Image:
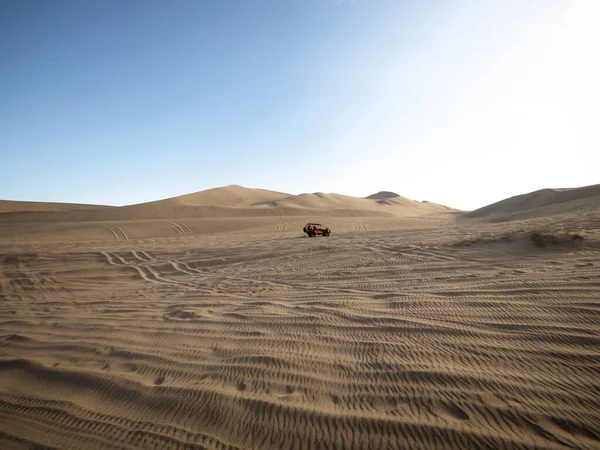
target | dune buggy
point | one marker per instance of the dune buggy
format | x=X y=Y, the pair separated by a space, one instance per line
x=316 y=229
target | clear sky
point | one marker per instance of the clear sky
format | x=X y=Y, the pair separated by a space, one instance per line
x=458 y=102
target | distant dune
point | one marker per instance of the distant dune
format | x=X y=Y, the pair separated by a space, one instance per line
x=229 y=201
x=239 y=202
x=545 y=202
x=16 y=206
x=382 y=195
x=228 y=196
x=251 y=202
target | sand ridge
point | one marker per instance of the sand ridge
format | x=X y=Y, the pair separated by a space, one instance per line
x=225 y=202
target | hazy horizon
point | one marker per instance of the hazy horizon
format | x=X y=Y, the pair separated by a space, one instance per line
x=458 y=103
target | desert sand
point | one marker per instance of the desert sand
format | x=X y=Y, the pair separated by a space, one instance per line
x=210 y=321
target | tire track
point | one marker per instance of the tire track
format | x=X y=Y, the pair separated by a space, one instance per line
x=141 y=256
x=118 y=233
x=149 y=271
x=181 y=228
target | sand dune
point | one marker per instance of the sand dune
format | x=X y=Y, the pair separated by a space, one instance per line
x=227 y=202
x=542 y=203
x=18 y=206
x=322 y=201
x=417 y=329
x=382 y=195
x=241 y=201
x=228 y=196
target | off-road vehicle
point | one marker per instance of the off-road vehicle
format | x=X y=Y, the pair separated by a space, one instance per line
x=315 y=229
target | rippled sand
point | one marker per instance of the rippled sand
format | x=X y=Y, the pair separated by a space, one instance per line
x=427 y=334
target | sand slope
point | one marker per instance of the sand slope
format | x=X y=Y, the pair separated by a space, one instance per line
x=541 y=203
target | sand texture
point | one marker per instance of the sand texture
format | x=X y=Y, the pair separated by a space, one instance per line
x=411 y=326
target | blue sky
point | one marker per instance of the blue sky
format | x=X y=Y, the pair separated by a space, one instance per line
x=459 y=102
